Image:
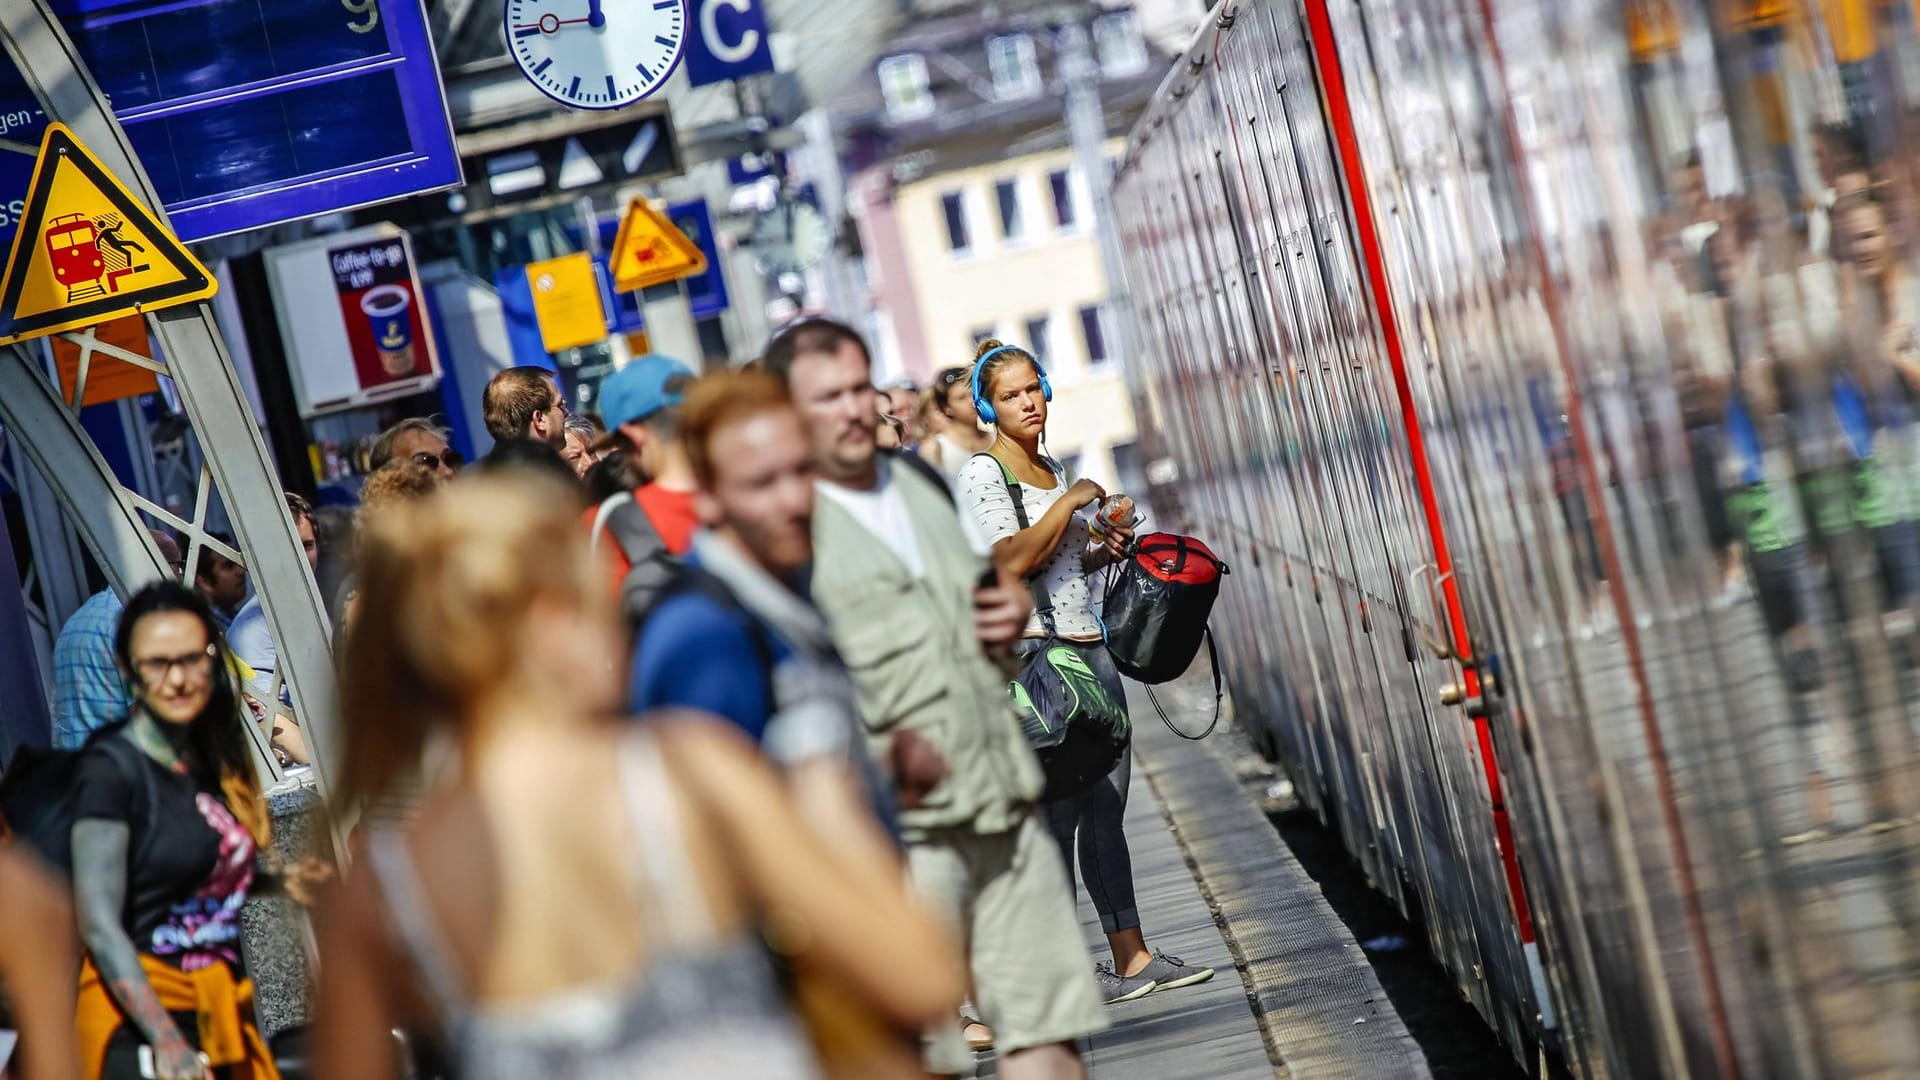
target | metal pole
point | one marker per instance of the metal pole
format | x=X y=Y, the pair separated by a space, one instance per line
x=211 y=393
x=1086 y=121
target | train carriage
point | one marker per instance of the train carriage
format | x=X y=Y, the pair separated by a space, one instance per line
x=1552 y=367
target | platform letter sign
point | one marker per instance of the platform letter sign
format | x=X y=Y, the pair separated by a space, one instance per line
x=87 y=251
x=729 y=41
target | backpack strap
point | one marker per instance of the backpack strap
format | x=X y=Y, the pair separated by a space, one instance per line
x=1042 y=600
x=649 y=563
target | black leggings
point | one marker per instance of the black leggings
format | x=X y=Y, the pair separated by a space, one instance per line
x=1098 y=815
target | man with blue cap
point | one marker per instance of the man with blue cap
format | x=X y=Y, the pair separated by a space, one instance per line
x=644 y=531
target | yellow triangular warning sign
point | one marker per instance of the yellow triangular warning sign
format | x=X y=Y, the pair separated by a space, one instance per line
x=650 y=250
x=87 y=251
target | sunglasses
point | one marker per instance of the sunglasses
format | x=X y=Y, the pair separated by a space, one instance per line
x=450 y=458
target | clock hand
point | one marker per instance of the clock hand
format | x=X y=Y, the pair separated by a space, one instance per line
x=595 y=17
x=548 y=24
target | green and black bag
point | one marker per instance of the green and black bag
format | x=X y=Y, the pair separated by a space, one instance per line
x=1067 y=715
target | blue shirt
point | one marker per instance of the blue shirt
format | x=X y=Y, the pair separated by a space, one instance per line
x=250 y=639
x=697 y=652
x=88 y=692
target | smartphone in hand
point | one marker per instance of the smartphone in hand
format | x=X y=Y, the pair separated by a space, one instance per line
x=147 y=1068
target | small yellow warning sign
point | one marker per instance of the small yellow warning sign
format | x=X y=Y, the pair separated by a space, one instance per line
x=87 y=251
x=650 y=250
x=566 y=302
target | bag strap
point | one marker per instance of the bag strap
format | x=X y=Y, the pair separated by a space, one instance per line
x=1219 y=692
x=1042 y=599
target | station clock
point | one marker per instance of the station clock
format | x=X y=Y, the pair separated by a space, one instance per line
x=596 y=54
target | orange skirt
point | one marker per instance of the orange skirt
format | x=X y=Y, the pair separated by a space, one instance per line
x=229 y=1035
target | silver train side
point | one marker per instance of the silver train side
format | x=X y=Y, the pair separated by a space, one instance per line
x=1550 y=374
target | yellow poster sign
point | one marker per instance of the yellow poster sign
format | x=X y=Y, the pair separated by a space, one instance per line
x=87 y=251
x=650 y=250
x=566 y=302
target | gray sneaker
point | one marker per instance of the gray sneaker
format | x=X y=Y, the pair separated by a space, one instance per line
x=1117 y=988
x=1172 y=973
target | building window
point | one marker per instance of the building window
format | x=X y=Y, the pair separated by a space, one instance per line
x=1094 y=332
x=1038 y=331
x=1061 y=181
x=1126 y=470
x=1117 y=39
x=1016 y=72
x=903 y=83
x=979 y=334
x=1007 y=194
x=954 y=203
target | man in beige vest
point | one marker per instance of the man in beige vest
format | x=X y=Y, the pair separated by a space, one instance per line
x=896 y=573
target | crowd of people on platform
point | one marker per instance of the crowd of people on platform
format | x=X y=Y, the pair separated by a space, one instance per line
x=679 y=738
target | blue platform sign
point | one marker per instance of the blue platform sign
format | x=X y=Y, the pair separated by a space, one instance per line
x=707 y=293
x=248 y=113
x=729 y=41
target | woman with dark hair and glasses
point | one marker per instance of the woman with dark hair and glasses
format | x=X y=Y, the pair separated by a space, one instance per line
x=168 y=820
x=954 y=424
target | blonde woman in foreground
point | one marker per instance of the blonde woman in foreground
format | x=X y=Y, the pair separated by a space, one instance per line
x=587 y=896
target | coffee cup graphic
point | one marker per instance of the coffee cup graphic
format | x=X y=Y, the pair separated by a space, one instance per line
x=389 y=312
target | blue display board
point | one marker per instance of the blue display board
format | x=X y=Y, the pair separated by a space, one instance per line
x=249 y=113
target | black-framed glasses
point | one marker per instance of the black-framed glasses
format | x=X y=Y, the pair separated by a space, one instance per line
x=449 y=457
x=155 y=669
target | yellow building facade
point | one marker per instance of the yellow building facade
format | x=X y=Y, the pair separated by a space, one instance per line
x=1007 y=250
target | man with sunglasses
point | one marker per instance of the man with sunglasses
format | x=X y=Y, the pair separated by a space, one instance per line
x=88 y=692
x=420 y=441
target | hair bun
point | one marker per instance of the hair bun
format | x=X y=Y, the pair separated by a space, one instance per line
x=986 y=347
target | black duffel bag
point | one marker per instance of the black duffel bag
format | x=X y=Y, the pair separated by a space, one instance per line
x=1157 y=605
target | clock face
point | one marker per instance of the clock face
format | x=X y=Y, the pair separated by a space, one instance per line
x=792 y=237
x=596 y=54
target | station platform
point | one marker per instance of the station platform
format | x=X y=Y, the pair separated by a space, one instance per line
x=1292 y=995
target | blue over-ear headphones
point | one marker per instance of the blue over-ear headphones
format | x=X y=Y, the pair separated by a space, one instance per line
x=980 y=403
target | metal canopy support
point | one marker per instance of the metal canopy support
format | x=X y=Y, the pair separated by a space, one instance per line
x=236 y=456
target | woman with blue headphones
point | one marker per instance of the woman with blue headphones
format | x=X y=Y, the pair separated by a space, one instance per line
x=1048 y=540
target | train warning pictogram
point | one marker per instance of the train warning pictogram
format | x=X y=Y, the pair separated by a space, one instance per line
x=650 y=250
x=87 y=251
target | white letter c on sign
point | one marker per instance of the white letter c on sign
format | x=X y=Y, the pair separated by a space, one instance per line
x=722 y=50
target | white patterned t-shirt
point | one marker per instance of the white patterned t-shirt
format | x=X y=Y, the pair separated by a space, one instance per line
x=983 y=494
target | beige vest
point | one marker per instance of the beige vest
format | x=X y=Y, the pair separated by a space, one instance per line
x=917 y=663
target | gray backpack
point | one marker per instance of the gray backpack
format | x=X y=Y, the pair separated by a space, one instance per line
x=650 y=566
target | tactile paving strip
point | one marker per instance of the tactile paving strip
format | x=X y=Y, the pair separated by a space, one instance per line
x=1321 y=1009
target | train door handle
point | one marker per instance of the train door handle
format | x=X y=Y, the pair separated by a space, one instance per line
x=1441 y=646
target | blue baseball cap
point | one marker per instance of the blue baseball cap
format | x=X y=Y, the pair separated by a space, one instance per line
x=642 y=388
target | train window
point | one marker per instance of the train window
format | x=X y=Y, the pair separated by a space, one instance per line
x=1016 y=70
x=1006 y=193
x=954 y=205
x=1117 y=39
x=1060 y=181
x=903 y=83
x=1094 y=333
x=1039 y=330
